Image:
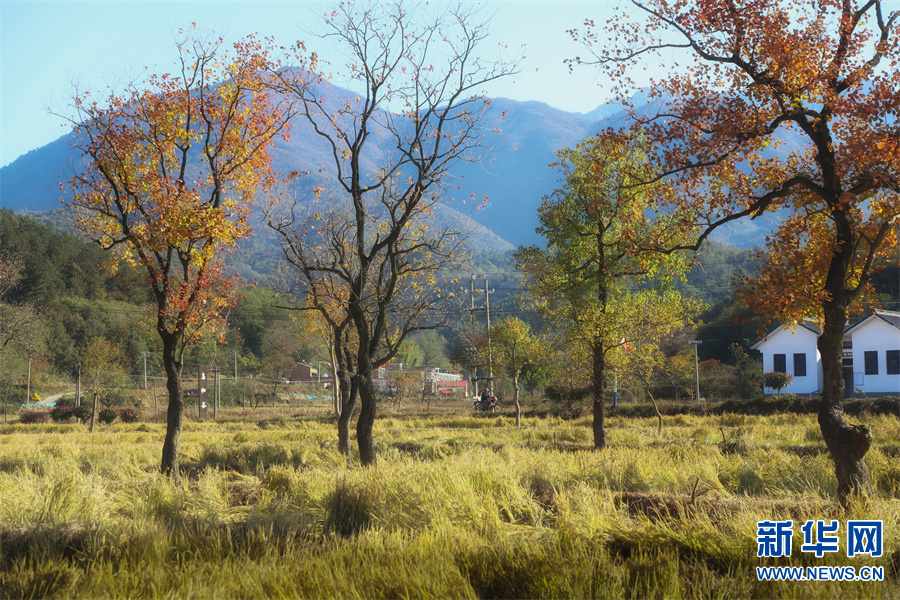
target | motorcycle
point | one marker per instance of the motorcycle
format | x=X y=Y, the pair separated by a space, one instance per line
x=493 y=405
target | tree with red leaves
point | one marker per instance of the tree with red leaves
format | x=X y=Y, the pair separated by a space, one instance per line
x=819 y=79
x=167 y=174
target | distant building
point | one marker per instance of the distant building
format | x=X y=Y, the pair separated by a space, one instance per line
x=871 y=359
x=793 y=350
x=874 y=354
x=440 y=383
x=304 y=373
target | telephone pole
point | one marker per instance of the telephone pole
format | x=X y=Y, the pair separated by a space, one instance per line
x=144 y=356
x=78 y=387
x=28 y=390
x=696 y=343
x=487 y=308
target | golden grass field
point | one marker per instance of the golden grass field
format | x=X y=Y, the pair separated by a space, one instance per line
x=459 y=506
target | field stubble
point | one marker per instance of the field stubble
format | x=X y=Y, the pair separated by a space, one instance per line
x=459 y=506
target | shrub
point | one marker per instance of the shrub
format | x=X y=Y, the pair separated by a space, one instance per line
x=65 y=403
x=82 y=412
x=565 y=395
x=34 y=417
x=107 y=415
x=61 y=414
x=777 y=380
x=130 y=415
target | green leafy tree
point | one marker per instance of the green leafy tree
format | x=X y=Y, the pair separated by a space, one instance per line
x=515 y=347
x=410 y=353
x=432 y=347
x=653 y=318
x=605 y=248
x=105 y=373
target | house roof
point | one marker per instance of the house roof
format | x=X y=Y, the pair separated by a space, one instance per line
x=890 y=317
x=807 y=324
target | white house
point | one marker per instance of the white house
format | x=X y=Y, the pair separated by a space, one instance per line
x=871 y=356
x=874 y=346
x=793 y=350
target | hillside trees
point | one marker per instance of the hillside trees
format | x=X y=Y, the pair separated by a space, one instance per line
x=603 y=244
x=420 y=109
x=820 y=83
x=167 y=172
x=20 y=331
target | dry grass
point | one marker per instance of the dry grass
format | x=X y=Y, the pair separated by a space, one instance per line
x=458 y=506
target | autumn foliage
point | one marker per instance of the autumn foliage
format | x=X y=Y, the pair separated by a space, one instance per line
x=778 y=105
x=169 y=168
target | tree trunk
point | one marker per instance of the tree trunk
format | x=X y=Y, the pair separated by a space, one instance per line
x=335 y=391
x=598 y=389
x=366 y=416
x=366 y=421
x=175 y=410
x=598 y=356
x=348 y=401
x=653 y=400
x=516 y=400
x=348 y=388
x=93 y=412
x=847 y=443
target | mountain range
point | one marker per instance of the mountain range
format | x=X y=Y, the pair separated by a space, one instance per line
x=514 y=179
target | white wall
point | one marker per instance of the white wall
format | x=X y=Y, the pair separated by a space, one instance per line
x=801 y=340
x=875 y=335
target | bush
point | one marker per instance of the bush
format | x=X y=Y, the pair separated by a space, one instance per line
x=82 y=412
x=565 y=395
x=65 y=403
x=777 y=380
x=130 y=415
x=107 y=415
x=61 y=414
x=34 y=417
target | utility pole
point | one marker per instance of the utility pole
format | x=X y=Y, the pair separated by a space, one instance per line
x=487 y=307
x=216 y=393
x=28 y=389
x=473 y=368
x=696 y=343
x=472 y=309
x=144 y=356
x=78 y=387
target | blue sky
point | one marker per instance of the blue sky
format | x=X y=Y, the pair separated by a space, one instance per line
x=45 y=47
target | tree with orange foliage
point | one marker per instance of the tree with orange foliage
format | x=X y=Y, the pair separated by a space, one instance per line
x=822 y=81
x=166 y=177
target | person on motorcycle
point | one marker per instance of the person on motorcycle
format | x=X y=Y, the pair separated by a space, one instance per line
x=485 y=398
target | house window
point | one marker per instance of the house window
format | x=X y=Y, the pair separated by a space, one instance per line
x=800 y=365
x=780 y=363
x=893 y=362
x=870 y=358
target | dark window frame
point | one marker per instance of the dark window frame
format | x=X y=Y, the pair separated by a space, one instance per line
x=893 y=362
x=800 y=364
x=870 y=360
x=779 y=363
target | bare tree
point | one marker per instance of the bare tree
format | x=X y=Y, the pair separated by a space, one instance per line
x=420 y=109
